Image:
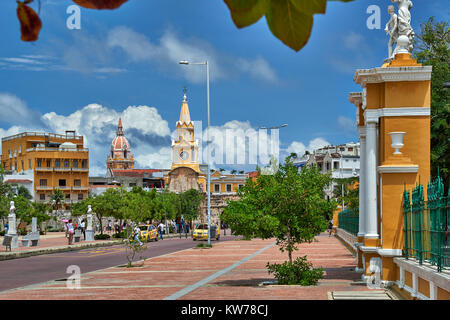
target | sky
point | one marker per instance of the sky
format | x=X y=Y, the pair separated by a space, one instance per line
x=124 y=63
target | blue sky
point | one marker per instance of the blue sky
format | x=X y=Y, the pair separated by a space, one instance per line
x=123 y=63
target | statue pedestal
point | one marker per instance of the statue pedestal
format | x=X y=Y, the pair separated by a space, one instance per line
x=89 y=235
x=14 y=241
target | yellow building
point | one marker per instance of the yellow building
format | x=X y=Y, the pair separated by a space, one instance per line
x=186 y=172
x=53 y=161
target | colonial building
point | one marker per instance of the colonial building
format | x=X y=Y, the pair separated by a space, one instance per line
x=187 y=173
x=43 y=162
x=120 y=156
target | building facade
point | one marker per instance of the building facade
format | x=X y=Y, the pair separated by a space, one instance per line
x=120 y=156
x=48 y=161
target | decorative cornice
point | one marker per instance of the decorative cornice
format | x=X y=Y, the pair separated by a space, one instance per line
x=372 y=115
x=355 y=98
x=394 y=74
x=389 y=252
x=398 y=169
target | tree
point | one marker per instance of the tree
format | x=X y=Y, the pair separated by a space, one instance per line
x=234 y=171
x=433 y=48
x=287 y=205
x=190 y=204
x=22 y=191
x=57 y=198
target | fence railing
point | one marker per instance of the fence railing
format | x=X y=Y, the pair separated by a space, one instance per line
x=426 y=225
x=349 y=221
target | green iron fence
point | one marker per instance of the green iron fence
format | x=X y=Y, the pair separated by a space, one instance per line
x=349 y=221
x=426 y=224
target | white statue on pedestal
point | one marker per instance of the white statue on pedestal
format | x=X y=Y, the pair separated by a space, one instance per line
x=89 y=218
x=12 y=219
x=400 y=31
x=392 y=30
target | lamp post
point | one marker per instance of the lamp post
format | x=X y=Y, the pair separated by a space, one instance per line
x=208 y=186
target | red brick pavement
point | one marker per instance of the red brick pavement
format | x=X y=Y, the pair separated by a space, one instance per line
x=163 y=276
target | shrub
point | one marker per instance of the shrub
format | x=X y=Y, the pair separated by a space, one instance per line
x=102 y=237
x=204 y=245
x=2 y=233
x=300 y=272
x=118 y=235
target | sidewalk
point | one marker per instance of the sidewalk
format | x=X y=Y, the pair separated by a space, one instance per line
x=231 y=270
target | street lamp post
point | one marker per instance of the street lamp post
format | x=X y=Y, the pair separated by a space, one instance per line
x=208 y=186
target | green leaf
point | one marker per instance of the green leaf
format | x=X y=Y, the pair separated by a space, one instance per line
x=288 y=24
x=310 y=6
x=246 y=12
x=290 y=21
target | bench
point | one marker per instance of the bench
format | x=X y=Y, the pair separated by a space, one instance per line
x=7 y=242
x=31 y=239
x=77 y=236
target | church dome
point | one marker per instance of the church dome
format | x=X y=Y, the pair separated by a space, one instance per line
x=120 y=147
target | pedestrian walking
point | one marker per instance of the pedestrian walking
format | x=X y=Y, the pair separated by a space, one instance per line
x=330 y=228
x=82 y=228
x=70 y=231
x=161 y=230
x=137 y=231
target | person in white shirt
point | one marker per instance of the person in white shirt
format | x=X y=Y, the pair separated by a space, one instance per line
x=137 y=231
x=70 y=231
x=161 y=227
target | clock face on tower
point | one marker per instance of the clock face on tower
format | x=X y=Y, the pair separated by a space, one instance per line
x=184 y=155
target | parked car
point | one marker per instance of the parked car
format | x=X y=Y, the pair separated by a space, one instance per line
x=148 y=232
x=201 y=232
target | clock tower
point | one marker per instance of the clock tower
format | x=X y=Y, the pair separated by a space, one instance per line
x=185 y=147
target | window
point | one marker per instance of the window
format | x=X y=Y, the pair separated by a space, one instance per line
x=42 y=196
x=350 y=149
x=217 y=188
x=49 y=163
x=39 y=163
x=240 y=186
x=77 y=183
x=84 y=164
x=336 y=165
x=80 y=196
x=67 y=196
x=29 y=163
x=66 y=163
x=229 y=188
x=62 y=182
x=75 y=164
x=43 y=182
x=57 y=164
x=23 y=167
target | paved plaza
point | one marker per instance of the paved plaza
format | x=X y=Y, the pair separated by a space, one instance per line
x=231 y=270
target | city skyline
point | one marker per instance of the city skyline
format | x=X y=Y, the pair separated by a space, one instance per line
x=124 y=63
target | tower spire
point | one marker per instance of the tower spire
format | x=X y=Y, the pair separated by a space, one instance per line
x=185 y=116
x=120 y=128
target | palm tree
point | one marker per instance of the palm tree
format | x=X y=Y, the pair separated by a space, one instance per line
x=57 y=198
x=233 y=171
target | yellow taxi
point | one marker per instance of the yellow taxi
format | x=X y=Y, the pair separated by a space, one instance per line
x=201 y=232
x=148 y=232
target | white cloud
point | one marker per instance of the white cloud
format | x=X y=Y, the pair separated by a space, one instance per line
x=171 y=49
x=346 y=123
x=300 y=148
x=15 y=110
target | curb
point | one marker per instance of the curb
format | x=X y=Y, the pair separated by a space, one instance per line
x=50 y=250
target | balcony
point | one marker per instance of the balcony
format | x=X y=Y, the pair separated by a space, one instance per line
x=63 y=188
x=42 y=136
x=41 y=169
x=80 y=169
x=44 y=188
x=37 y=149
x=62 y=169
x=80 y=188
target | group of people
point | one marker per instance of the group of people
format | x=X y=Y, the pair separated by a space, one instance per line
x=70 y=227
